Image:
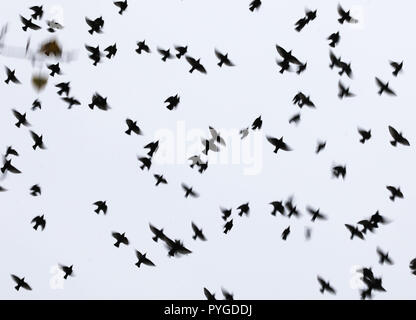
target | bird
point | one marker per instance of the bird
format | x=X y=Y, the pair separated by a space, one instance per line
x=11 y=152
x=195 y=64
x=7 y=166
x=255 y=5
x=244 y=133
x=11 y=76
x=101 y=206
x=335 y=61
x=95 y=54
x=277 y=207
x=39 y=221
x=397 y=67
x=35 y=190
x=68 y=270
x=132 y=127
x=71 y=101
x=354 y=232
x=202 y=167
x=173 y=102
x=122 y=5
x=165 y=54
x=345 y=16
x=36 y=104
x=301 y=99
x=160 y=179
x=278 y=144
x=146 y=162
x=334 y=38
x=210 y=296
x=226 y=213
x=412 y=266
x=295 y=118
x=142 y=46
x=189 y=191
x=344 y=91
x=309 y=16
x=176 y=247
x=339 y=171
x=365 y=135
x=325 y=286
x=21 y=283
x=244 y=209
x=316 y=214
x=158 y=234
x=28 y=24
x=257 y=124
x=216 y=136
x=153 y=147
x=397 y=138
x=285 y=233
x=197 y=233
x=142 y=259
x=227 y=295
x=21 y=119
x=287 y=55
x=320 y=146
x=377 y=218
x=384 y=87
x=121 y=239
x=111 y=51
x=37 y=12
x=291 y=208
x=196 y=160
x=384 y=257
x=95 y=25
x=38 y=141
x=223 y=59
x=395 y=193
x=99 y=101
x=64 y=88
x=182 y=50
x=228 y=226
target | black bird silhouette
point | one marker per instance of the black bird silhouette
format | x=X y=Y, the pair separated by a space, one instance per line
x=384 y=257
x=339 y=171
x=132 y=127
x=173 y=102
x=96 y=25
x=153 y=147
x=255 y=5
x=55 y=69
x=345 y=68
x=257 y=124
x=227 y=295
x=11 y=152
x=189 y=191
x=121 y=239
x=335 y=61
x=216 y=136
x=35 y=190
x=397 y=67
x=39 y=221
x=301 y=99
x=384 y=87
x=395 y=193
x=21 y=283
x=21 y=119
x=181 y=51
x=69 y=272
x=286 y=233
x=122 y=5
x=334 y=38
x=345 y=16
x=158 y=233
x=295 y=118
x=99 y=101
x=365 y=135
x=2 y=189
x=111 y=51
x=160 y=179
x=71 y=101
x=9 y=167
x=142 y=46
x=277 y=207
x=320 y=146
x=412 y=266
x=244 y=209
x=146 y=162
x=291 y=208
x=301 y=23
x=287 y=55
x=202 y=167
x=38 y=141
x=143 y=260
x=325 y=286
x=344 y=91
x=11 y=76
x=226 y=213
x=223 y=59
x=397 y=138
x=354 y=232
x=228 y=226
x=377 y=218
x=195 y=65
x=198 y=234
x=210 y=296
x=176 y=247
x=37 y=12
x=101 y=206
x=316 y=214
x=209 y=145
x=367 y=225
x=63 y=88
x=165 y=54
x=36 y=105
x=95 y=54
x=278 y=144
x=28 y=24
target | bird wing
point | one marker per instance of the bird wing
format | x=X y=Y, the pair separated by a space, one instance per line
x=281 y=51
x=394 y=133
x=390 y=91
x=340 y=10
x=285 y=147
x=379 y=82
x=272 y=140
x=219 y=54
x=13 y=169
x=147 y=262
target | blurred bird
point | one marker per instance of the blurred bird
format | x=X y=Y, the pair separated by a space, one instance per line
x=35 y=190
x=143 y=260
x=132 y=127
x=325 y=286
x=111 y=51
x=395 y=193
x=197 y=233
x=228 y=226
x=96 y=25
x=160 y=179
x=21 y=283
x=146 y=162
x=181 y=51
x=339 y=171
x=7 y=166
x=21 y=119
x=295 y=118
x=255 y=5
x=226 y=213
x=142 y=46
x=412 y=266
x=277 y=207
x=244 y=209
x=173 y=102
x=28 y=24
x=38 y=141
x=315 y=214
x=195 y=64
x=257 y=124
x=71 y=101
x=101 y=206
x=121 y=239
x=55 y=69
x=227 y=296
x=210 y=296
x=397 y=67
x=223 y=59
x=36 y=105
x=189 y=191
x=320 y=146
x=165 y=54
x=95 y=54
x=39 y=221
x=37 y=12
x=153 y=147
x=286 y=233
x=334 y=38
x=278 y=144
x=244 y=133
x=354 y=232
x=11 y=76
x=122 y=5
x=63 y=88
x=345 y=16
x=384 y=257
x=365 y=135
x=309 y=16
x=11 y=152
x=397 y=138
x=158 y=233
x=99 y=101
x=384 y=87
x=344 y=91
x=69 y=272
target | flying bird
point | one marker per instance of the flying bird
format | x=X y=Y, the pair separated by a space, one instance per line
x=36 y=105
x=344 y=91
x=39 y=221
x=142 y=46
x=173 y=102
x=316 y=214
x=339 y=171
x=11 y=152
x=35 y=190
x=345 y=16
x=21 y=119
x=257 y=124
x=111 y=51
x=277 y=207
x=210 y=296
x=122 y=5
x=334 y=38
x=198 y=234
x=223 y=59
x=384 y=87
x=395 y=193
x=165 y=54
x=95 y=25
x=95 y=54
x=132 y=127
x=320 y=146
x=142 y=259
x=63 y=87
x=227 y=295
x=101 y=206
x=146 y=162
x=354 y=232
x=285 y=233
x=71 y=101
x=397 y=137
x=244 y=209
x=384 y=257
x=38 y=141
x=37 y=12
x=397 y=67
x=21 y=283
x=68 y=270
x=189 y=191
x=301 y=23
x=182 y=50
x=158 y=234
x=255 y=5
x=160 y=179
x=226 y=213
x=121 y=239
x=278 y=144
x=325 y=286
x=195 y=64
x=11 y=76
x=153 y=147
x=7 y=166
x=287 y=55
x=228 y=226
x=365 y=135
x=99 y=101
x=28 y=24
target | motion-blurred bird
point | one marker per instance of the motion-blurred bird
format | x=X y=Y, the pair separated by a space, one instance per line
x=21 y=119
x=121 y=239
x=365 y=135
x=195 y=65
x=142 y=259
x=39 y=221
x=395 y=193
x=95 y=25
x=223 y=59
x=384 y=87
x=198 y=234
x=28 y=24
x=397 y=67
x=35 y=190
x=189 y=191
x=173 y=102
x=397 y=138
x=122 y=5
x=101 y=206
x=325 y=286
x=132 y=127
x=278 y=144
x=11 y=76
x=21 y=283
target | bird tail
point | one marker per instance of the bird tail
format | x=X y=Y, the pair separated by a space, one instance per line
x=362 y=140
x=138 y=51
x=341 y=20
x=178 y=56
x=393 y=143
x=137 y=264
x=17 y=287
x=192 y=70
x=108 y=55
x=7 y=81
x=128 y=131
x=91 y=106
x=392 y=198
x=18 y=124
x=321 y=290
x=194 y=237
x=220 y=64
x=34 y=147
x=164 y=58
x=155 y=239
x=65 y=276
x=380 y=92
x=252 y=8
x=91 y=31
x=395 y=73
x=142 y=167
x=117 y=244
x=332 y=44
x=24 y=28
x=97 y=211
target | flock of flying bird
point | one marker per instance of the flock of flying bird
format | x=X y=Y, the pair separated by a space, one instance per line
x=286 y=62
